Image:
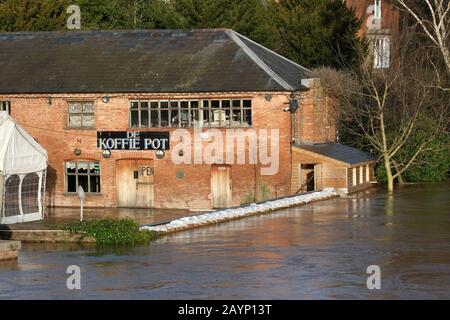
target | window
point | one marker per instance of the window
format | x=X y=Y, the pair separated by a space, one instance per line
x=5 y=106
x=377 y=9
x=382 y=52
x=367 y=173
x=85 y=174
x=31 y=186
x=12 y=201
x=361 y=175
x=355 y=181
x=247 y=111
x=184 y=115
x=81 y=114
x=191 y=113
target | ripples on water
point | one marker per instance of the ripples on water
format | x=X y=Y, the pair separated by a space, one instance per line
x=317 y=251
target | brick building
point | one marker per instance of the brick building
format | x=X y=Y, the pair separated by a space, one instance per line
x=380 y=25
x=130 y=115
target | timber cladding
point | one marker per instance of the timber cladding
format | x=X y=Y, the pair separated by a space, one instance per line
x=331 y=165
x=332 y=174
x=360 y=177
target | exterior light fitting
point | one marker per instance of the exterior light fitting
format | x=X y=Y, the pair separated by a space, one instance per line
x=293 y=106
x=160 y=154
x=105 y=99
x=49 y=101
x=106 y=154
x=77 y=152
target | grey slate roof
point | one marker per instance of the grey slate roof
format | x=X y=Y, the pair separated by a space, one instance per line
x=340 y=152
x=156 y=61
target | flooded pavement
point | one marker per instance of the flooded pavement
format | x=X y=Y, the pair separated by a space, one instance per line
x=57 y=217
x=318 y=251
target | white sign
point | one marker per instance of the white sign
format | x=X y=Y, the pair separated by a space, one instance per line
x=74 y=20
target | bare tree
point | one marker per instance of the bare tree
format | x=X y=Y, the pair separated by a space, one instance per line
x=435 y=22
x=384 y=108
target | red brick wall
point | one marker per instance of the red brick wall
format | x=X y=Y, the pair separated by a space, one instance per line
x=390 y=16
x=315 y=120
x=48 y=125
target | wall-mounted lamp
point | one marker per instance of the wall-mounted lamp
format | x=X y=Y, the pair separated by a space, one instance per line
x=268 y=97
x=77 y=152
x=105 y=99
x=106 y=154
x=49 y=101
x=293 y=106
x=181 y=153
x=160 y=154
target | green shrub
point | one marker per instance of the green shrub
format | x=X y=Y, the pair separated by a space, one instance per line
x=112 y=231
x=430 y=166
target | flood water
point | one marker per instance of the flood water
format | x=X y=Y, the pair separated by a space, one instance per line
x=321 y=250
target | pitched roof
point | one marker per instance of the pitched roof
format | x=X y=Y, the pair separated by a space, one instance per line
x=339 y=152
x=19 y=152
x=157 y=61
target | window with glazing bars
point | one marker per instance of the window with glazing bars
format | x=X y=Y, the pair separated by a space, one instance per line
x=377 y=9
x=191 y=113
x=382 y=52
x=5 y=106
x=81 y=114
x=85 y=174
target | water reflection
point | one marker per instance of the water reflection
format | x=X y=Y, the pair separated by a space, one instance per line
x=316 y=251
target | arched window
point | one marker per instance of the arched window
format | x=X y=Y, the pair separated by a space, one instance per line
x=12 y=207
x=30 y=193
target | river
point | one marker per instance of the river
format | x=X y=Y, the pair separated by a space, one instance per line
x=318 y=251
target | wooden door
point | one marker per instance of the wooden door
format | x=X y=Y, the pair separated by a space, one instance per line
x=318 y=179
x=134 y=181
x=221 y=187
x=307 y=177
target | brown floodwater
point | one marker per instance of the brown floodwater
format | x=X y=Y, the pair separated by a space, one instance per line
x=318 y=251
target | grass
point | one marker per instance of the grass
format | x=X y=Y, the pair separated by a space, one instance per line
x=110 y=231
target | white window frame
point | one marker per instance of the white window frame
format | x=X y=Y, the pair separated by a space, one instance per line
x=355 y=181
x=377 y=9
x=382 y=52
x=361 y=175
x=202 y=105
x=367 y=173
x=76 y=174
x=82 y=114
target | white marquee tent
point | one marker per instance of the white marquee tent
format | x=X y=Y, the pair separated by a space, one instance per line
x=23 y=165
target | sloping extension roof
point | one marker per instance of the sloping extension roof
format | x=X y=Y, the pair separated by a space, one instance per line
x=339 y=152
x=142 y=61
x=19 y=152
